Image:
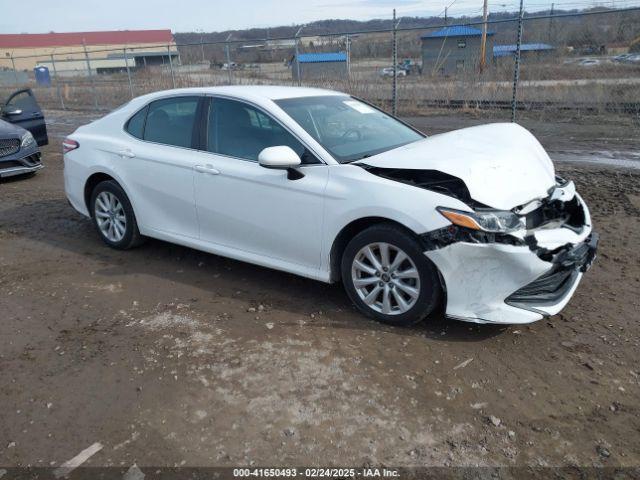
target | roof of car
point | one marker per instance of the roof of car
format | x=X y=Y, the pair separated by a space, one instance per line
x=264 y=92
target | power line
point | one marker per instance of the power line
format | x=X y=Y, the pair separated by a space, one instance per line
x=446 y=8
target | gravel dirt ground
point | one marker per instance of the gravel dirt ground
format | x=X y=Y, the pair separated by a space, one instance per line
x=167 y=356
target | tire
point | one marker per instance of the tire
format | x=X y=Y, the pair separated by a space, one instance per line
x=125 y=233
x=418 y=290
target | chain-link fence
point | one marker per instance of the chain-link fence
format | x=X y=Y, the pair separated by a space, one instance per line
x=570 y=63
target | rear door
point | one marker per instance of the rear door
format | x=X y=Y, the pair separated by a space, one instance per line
x=22 y=109
x=157 y=160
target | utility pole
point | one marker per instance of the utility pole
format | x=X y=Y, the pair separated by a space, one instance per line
x=483 y=43
x=516 y=69
x=446 y=9
x=394 y=91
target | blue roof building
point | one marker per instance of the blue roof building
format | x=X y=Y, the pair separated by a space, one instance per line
x=456 y=31
x=453 y=49
x=322 y=57
x=320 y=65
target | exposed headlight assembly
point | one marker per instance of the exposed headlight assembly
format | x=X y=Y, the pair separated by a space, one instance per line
x=27 y=140
x=493 y=221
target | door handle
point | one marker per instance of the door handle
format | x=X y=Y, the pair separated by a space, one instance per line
x=126 y=153
x=206 y=169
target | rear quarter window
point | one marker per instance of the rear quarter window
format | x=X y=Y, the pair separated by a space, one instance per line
x=135 y=125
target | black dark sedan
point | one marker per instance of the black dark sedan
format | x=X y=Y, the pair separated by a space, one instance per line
x=22 y=132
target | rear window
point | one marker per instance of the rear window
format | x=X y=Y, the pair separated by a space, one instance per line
x=171 y=121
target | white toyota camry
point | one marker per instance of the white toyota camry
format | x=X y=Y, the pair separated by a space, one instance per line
x=323 y=185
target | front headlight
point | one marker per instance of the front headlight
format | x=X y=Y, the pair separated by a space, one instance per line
x=494 y=221
x=27 y=140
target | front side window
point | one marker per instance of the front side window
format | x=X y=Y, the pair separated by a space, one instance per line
x=240 y=130
x=171 y=121
x=347 y=128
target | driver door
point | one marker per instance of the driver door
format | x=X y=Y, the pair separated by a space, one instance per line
x=22 y=109
x=251 y=209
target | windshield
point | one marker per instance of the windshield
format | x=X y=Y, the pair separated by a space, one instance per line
x=347 y=128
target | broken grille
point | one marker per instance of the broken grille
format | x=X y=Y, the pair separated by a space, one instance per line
x=9 y=147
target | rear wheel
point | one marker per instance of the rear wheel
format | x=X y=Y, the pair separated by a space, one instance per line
x=113 y=216
x=388 y=277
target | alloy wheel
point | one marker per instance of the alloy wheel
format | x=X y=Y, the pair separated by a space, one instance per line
x=110 y=216
x=385 y=278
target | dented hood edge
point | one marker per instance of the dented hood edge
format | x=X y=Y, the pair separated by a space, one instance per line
x=502 y=164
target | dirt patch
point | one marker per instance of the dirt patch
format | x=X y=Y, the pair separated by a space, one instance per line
x=168 y=356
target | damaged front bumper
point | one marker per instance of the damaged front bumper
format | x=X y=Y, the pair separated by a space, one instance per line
x=511 y=279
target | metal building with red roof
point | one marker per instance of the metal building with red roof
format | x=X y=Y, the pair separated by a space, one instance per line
x=30 y=49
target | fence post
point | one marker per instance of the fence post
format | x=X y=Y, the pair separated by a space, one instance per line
x=15 y=72
x=55 y=73
x=348 y=57
x=483 y=42
x=228 y=55
x=126 y=61
x=93 y=87
x=299 y=80
x=297 y=41
x=394 y=88
x=516 y=68
x=202 y=46
x=173 y=78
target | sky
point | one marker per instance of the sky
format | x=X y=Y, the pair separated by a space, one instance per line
x=219 y=15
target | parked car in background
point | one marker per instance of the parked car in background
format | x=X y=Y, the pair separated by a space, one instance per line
x=21 y=108
x=22 y=131
x=388 y=72
x=411 y=67
x=589 y=62
x=622 y=57
x=322 y=185
x=627 y=58
x=232 y=66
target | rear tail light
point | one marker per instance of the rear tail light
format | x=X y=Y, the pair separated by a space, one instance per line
x=68 y=145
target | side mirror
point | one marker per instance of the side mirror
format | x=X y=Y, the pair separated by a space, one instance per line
x=279 y=157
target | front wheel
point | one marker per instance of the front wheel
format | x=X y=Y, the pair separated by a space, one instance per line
x=388 y=277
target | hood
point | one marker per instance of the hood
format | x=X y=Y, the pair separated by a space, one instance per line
x=9 y=130
x=502 y=164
